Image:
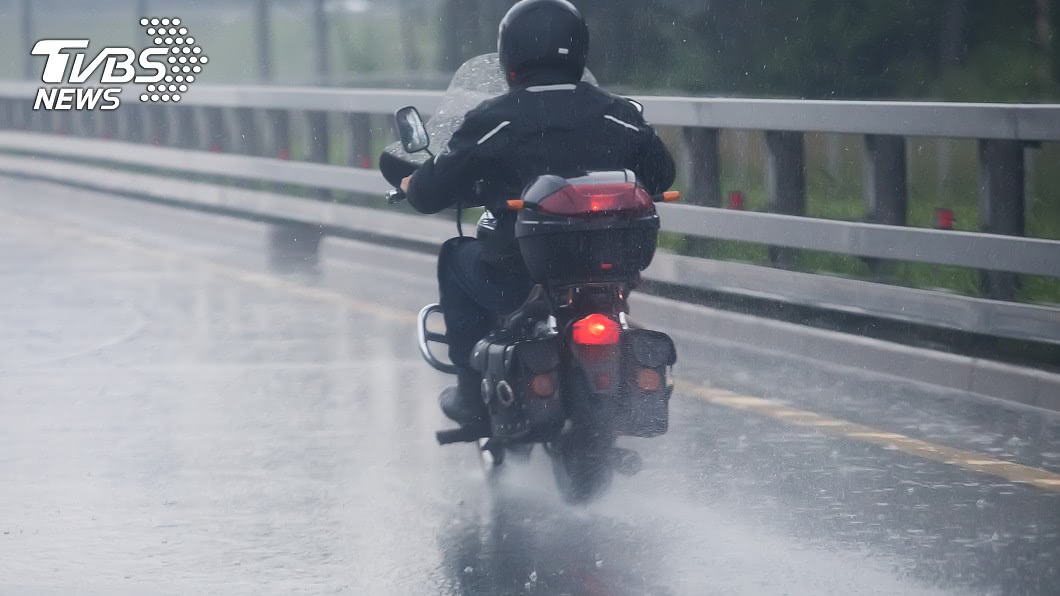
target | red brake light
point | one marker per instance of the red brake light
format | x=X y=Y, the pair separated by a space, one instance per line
x=597 y=198
x=596 y=330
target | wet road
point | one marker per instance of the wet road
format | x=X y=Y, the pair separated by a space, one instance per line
x=179 y=417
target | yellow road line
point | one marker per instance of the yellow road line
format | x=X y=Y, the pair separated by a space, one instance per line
x=778 y=410
x=765 y=407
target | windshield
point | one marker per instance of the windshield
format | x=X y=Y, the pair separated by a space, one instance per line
x=477 y=80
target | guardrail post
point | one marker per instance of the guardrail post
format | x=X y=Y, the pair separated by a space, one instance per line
x=704 y=176
x=106 y=124
x=127 y=122
x=279 y=122
x=14 y=114
x=1001 y=205
x=56 y=123
x=35 y=120
x=704 y=184
x=886 y=197
x=215 y=129
x=25 y=21
x=321 y=56
x=247 y=133
x=84 y=123
x=175 y=121
x=187 y=131
x=40 y=120
x=158 y=125
x=360 y=140
x=16 y=118
x=262 y=38
x=787 y=184
x=319 y=145
x=147 y=125
x=318 y=136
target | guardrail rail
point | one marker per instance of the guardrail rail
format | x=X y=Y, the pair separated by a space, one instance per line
x=245 y=133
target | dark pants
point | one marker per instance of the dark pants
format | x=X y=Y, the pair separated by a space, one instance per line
x=473 y=294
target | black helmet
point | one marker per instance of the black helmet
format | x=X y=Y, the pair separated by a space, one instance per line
x=543 y=34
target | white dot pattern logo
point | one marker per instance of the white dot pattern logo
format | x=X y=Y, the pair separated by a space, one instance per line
x=167 y=32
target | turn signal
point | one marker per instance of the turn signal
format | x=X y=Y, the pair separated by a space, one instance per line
x=648 y=380
x=542 y=385
x=596 y=330
x=671 y=196
x=516 y=204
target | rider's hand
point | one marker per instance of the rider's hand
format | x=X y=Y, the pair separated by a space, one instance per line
x=405 y=183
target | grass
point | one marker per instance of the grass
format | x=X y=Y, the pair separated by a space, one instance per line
x=834 y=191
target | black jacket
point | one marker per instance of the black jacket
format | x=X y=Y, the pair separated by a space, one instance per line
x=564 y=129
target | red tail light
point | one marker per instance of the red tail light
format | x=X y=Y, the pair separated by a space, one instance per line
x=596 y=330
x=597 y=198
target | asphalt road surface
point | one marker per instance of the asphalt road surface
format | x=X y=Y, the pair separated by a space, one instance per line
x=181 y=414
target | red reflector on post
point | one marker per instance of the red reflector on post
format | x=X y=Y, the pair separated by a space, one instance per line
x=736 y=200
x=596 y=330
x=944 y=218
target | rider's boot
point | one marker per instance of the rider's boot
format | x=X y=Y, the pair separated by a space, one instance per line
x=462 y=402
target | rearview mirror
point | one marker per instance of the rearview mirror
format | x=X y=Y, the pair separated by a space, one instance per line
x=411 y=130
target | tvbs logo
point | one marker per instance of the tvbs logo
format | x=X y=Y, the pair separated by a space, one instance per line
x=167 y=68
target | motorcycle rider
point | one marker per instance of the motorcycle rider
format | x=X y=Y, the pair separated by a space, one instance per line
x=549 y=122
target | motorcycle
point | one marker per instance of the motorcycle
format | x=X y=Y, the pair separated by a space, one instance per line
x=567 y=369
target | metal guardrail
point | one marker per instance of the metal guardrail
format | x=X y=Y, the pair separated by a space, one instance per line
x=991 y=251
x=939 y=309
x=1022 y=122
x=231 y=118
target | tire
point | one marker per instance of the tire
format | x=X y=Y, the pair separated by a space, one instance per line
x=581 y=455
x=581 y=463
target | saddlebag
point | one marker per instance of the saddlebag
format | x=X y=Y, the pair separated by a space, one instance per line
x=643 y=410
x=517 y=374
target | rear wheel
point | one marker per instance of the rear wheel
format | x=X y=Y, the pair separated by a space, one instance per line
x=581 y=463
x=581 y=454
